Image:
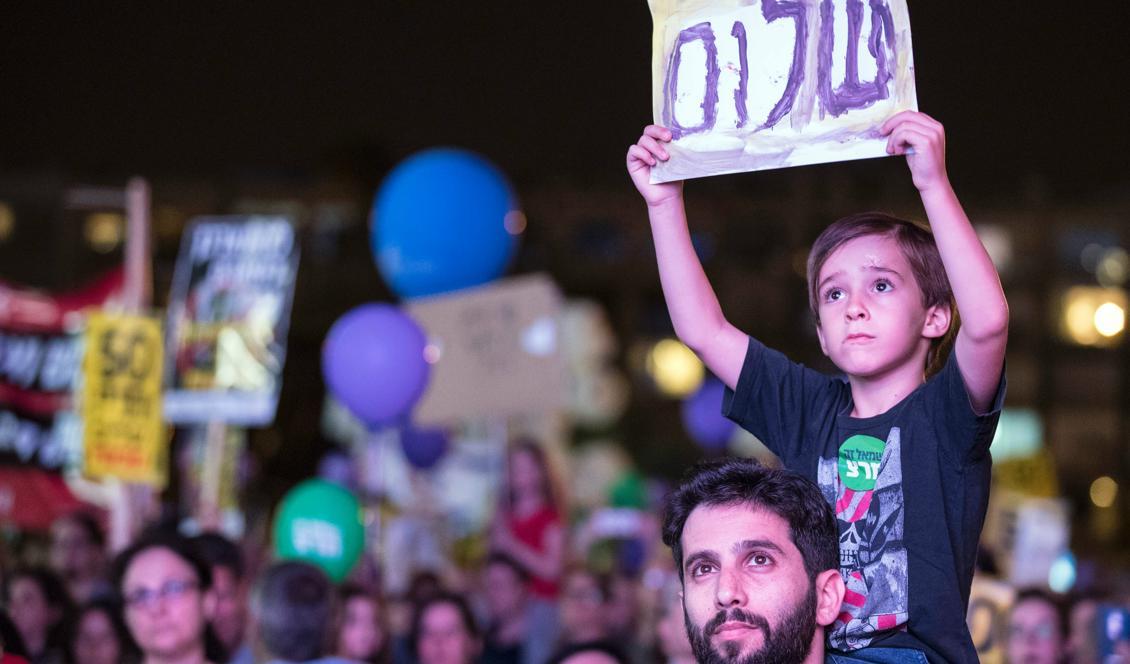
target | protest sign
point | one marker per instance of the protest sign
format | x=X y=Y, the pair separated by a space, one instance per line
x=40 y=352
x=123 y=435
x=228 y=317
x=494 y=351
x=748 y=85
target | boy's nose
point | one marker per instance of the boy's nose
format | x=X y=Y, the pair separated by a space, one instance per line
x=855 y=310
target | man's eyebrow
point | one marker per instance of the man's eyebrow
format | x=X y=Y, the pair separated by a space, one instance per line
x=708 y=556
x=746 y=545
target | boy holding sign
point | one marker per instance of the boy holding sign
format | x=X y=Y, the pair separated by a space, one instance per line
x=901 y=448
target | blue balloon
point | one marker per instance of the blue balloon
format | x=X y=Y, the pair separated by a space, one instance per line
x=439 y=223
x=423 y=447
x=703 y=419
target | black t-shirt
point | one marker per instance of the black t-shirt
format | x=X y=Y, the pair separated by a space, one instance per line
x=906 y=556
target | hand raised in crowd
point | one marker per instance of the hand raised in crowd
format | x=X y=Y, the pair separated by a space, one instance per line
x=649 y=150
x=923 y=140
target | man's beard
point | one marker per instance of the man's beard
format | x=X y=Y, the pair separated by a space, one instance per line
x=787 y=643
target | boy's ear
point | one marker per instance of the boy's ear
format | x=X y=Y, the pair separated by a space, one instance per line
x=937 y=322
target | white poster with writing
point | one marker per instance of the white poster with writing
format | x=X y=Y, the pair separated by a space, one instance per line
x=748 y=85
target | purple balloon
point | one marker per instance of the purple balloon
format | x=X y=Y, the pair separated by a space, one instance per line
x=423 y=447
x=373 y=363
x=702 y=416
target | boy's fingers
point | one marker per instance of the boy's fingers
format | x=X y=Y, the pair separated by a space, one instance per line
x=908 y=117
x=639 y=154
x=657 y=132
x=905 y=137
x=649 y=143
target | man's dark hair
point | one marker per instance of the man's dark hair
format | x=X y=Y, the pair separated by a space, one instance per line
x=220 y=551
x=735 y=481
x=293 y=610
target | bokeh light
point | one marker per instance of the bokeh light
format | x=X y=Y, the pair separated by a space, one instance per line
x=1110 y=319
x=1061 y=575
x=7 y=221
x=1093 y=316
x=1104 y=491
x=676 y=370
x=1113 y=268
x=104 y=231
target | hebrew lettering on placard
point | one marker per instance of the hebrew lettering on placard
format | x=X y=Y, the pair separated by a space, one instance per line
x=748 y=85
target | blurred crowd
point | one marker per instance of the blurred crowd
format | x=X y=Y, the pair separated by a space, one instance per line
x=167 y=598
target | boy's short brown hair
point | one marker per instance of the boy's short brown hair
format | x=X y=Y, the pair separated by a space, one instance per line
x=917 y=244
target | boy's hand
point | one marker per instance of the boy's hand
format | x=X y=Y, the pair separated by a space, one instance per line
x=647 y=152
x=923 y=140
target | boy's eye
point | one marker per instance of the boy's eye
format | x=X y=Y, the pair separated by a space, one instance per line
x=883 y=286
x=833 y=294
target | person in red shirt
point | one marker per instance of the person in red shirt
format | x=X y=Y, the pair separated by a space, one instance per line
x=528 y=529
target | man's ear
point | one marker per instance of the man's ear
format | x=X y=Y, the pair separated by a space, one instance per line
x=937 y=323
x=829 y=596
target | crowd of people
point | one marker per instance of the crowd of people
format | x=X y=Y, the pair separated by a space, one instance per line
x=168 y=598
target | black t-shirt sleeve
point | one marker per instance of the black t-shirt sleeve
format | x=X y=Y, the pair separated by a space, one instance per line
x=781 y=402
x=968 y=434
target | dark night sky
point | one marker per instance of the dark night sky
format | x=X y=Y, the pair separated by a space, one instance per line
x=545 y=89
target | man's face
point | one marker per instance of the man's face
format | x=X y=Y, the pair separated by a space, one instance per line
x=746 y=594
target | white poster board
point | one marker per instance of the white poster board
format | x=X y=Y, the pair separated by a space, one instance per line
x=748 y=85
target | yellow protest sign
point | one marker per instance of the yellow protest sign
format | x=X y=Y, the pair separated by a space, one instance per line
x=123 y=436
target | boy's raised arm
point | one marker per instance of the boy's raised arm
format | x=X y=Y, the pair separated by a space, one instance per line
x=691 y=302
x=981 y=341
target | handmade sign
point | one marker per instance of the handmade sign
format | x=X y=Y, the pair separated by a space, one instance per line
x=748 y=85
x=228 y=316
x=123 y=435
x=493 y=351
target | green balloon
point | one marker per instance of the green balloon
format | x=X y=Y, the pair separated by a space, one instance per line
x=320 y=523
x=629 y=491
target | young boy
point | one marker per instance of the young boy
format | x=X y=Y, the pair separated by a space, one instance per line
x=900 y=449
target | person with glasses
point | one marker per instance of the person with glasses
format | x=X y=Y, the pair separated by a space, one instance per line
x=1037 y=629
x=165 y=587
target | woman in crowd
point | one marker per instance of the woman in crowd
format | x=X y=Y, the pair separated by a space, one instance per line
x=38 y=604
x=528 y=528
x=361 y=635
x=166 y=589
x=444 y=631
x=97 y=635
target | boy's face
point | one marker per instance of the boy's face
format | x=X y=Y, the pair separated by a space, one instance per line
x=872 y=321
